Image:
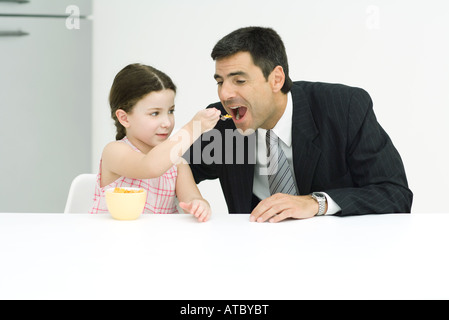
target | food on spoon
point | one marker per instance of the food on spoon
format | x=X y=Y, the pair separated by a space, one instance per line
x=225 y=117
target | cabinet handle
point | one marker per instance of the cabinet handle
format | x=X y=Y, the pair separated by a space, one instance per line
x=13 y=34
x=16 y=1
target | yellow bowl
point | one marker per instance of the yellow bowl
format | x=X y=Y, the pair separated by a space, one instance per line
x=126 y=206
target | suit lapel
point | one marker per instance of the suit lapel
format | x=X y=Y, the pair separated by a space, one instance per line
x=304 y=133
x=243 y=186
x=238 y=179
x=247 y=175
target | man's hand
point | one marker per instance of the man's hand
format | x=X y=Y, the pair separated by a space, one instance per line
x=280 y=206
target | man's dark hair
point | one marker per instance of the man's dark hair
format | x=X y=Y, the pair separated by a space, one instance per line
x=264 y=45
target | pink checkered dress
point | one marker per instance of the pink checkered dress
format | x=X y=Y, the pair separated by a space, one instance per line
x=160 y=191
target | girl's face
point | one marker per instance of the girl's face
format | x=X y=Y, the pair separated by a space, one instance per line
x=152 y=120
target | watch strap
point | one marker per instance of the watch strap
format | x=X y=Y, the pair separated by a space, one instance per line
x=321 y=199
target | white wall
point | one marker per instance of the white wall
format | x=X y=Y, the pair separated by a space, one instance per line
x=397 y=50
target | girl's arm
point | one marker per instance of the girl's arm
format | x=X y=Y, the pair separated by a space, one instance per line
x=120 y=160
x=189 y=196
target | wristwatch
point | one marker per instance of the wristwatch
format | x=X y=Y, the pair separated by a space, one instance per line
x=321 y=199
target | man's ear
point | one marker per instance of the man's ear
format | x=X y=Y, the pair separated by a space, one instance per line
x=277 y=79
x=122 y=117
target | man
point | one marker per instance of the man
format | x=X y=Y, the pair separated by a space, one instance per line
x=336 y=157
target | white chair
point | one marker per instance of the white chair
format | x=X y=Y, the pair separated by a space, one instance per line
x=81 y=194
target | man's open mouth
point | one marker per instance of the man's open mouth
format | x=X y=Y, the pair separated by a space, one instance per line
x=238 y=112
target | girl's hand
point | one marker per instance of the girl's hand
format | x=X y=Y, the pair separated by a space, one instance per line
x=208 y=119
x=199 y=208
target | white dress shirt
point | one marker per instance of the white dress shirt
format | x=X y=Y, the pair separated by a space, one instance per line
x=283 y=130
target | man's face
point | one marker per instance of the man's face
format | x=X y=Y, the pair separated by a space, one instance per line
x=244 y=92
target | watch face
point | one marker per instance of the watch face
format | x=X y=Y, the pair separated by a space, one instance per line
x=319 y=194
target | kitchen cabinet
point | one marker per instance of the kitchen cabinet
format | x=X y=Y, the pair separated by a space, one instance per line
x=45 y=102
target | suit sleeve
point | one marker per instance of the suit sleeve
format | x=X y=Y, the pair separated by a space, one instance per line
x=378 y=175
x=200 y=170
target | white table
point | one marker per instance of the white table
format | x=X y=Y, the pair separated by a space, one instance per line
x=57 y=256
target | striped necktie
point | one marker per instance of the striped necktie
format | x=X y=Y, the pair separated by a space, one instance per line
x=280 y=176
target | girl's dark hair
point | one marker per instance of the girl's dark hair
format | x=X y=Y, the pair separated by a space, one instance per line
x=130 y=85
x=264 y=45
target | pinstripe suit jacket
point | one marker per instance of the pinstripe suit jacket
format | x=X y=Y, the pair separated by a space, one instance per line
x=338 y=147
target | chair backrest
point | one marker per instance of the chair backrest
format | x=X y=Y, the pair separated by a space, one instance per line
x=81 y=194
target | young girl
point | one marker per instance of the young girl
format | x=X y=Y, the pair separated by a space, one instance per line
x=142 y=106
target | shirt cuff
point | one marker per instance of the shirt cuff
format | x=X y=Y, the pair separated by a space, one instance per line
x=332 y=206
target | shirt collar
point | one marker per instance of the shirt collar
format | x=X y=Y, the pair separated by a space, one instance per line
x=283 y=129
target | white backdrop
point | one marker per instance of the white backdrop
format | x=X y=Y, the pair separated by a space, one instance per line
x=397 y=50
